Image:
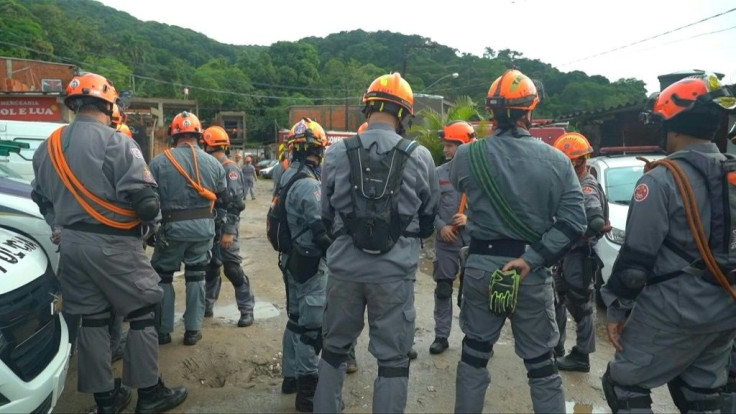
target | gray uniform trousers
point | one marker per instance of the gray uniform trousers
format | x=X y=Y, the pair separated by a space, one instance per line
x=729 y=400
x=167 y=260
x=103 y=275
x=244 y=298
x=248 y=188
x=391 y=317
x=575 y=294
x=305 y=307
x=535 y=333
x=446 y=267
x=653 y=357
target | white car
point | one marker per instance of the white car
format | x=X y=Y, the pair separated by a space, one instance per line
x=618 y=175
x=27 y=132
x=34 y=340
x=267 y=172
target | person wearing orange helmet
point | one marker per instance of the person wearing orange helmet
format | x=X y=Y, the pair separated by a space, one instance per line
x=451 y=234
x=249 y=178
x=380 y=197
x=303 y=266
x=190 y=183
x=670 y=296
x=94 y=184
x=525 y=216
x=226 y=248
x=575 y=274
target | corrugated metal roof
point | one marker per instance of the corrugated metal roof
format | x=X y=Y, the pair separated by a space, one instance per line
x=592 y=113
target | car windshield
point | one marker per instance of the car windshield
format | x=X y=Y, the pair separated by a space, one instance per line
x=620 y=183
x=7 y=172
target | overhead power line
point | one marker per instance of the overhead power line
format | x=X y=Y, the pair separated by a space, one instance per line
x=649 y=38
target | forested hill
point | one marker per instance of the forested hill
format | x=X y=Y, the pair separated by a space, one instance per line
x=156 y=59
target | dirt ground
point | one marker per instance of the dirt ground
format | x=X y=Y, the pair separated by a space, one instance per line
x=239 y=369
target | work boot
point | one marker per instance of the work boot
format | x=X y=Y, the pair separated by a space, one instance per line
x=574 y=361
x=158 y=398
x=246 y=319
x=192 y=337
x=439 y=346
x=412 y=354
x=288 y=386
x=164 y=338
x=559 y=351
x=115 y=401
x=305 y=387
x=352 y=367
x=208 y=313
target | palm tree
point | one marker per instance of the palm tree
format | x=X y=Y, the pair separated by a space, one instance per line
x=425 y=132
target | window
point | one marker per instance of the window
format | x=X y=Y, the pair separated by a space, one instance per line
x=620 y=183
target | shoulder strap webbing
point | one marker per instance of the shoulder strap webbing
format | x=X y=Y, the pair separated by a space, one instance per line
x=283 y=192
x=74 y=186
x=482 y=174
x=201 y=190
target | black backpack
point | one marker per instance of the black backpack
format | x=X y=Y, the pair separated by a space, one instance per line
x=375 y=224
x=277 y=226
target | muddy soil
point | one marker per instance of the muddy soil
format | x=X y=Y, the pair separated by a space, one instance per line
x=239 y=369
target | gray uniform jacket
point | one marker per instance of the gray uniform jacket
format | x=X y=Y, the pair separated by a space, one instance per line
x=592 y=200
x=448 y=206
x=108 y=163
x=278 y=171
x=540 y=185
x=418 y=197
x=303 y=204
x=231 y=220
x=176 y=193
x=656 y=213
x=249 y=173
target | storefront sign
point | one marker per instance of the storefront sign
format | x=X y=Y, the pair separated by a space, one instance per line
x=30 y=108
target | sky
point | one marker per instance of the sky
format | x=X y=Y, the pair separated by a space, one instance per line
x=617 y=39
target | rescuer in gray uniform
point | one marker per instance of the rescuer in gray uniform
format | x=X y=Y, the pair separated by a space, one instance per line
x=93 y=183
x=681 y=330
x=189 y=183
x=451 y=234
x=574 y=277
x=541 y=192
x=304 y=267
x=249 y=178
x=373 y=260
x=226 y=249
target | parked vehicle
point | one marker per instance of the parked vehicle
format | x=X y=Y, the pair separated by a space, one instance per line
x=32 y=133
x=617 y=170
x=262 y=164
x=267 y=172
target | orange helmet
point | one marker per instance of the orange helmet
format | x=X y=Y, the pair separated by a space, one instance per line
x=393 y=89
x=574 y=145
x=513 y=90
x=125 y=130
x=216 y=136
x=691 y=92
x=118 y=117
x=185 y=123
x=307 y=133
x=90 y=85
x=362 y=127
x=458 y=131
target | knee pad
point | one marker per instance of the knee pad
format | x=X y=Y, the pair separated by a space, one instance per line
x=195 y=273
x=144 y=317
x=616 y=403
x=393 y=372
x=478 y=346
x=315 y=342
x=234 y=272
x=443 y=289
x=166 y=277
x=333 y=358
x=545 y=370
x=211 y=274
x=702 y=404
x=102 y=319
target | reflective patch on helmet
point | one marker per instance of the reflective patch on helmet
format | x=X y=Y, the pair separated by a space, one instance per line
x=74 y=84
x=233 y=175
x=641 y=192
x=186 y=123
x=136 y=153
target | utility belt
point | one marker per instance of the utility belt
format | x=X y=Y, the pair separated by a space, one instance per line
x=498 y=247
x=169 y=216
x=103 y=229
x=407 y=234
